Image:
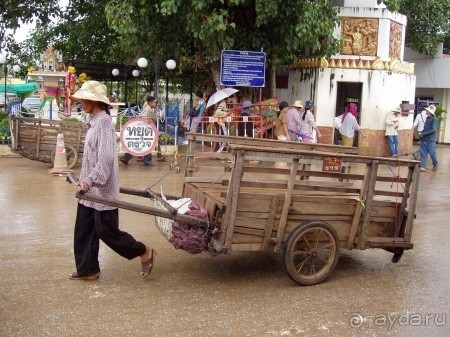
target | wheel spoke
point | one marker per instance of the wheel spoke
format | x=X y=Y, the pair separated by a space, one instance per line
x=299 y=252
x=327 y=248
x=330 y=245
x=320 y=258
x=307 y=242
x=317 y=238
x=302 y=264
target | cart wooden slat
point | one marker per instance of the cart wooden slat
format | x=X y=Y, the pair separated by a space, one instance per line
x=35 y=138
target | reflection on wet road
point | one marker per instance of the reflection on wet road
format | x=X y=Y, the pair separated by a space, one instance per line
x=241 y=294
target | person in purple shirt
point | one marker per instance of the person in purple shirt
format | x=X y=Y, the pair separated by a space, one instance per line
x=294 y=120
x=100 y=177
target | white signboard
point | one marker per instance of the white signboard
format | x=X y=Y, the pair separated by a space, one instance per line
x=139 y=136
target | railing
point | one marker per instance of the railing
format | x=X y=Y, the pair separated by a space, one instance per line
x=243 y=126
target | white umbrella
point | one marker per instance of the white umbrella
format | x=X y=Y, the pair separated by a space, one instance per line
x=219 y=95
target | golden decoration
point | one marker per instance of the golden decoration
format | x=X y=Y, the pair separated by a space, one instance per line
x=359 y=36
x=377 y=64
x=323 y=63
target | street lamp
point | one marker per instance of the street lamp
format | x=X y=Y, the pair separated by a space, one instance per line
x=116 y=73
x=170 y=65
x=136 y=74
x=5 y=70
x=142 y=63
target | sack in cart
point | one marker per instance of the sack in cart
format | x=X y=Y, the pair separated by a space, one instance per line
x=191 y=238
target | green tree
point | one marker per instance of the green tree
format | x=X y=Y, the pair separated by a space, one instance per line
x=81 y=32
x=17 y=12
x=428 y=24
x=195 y=32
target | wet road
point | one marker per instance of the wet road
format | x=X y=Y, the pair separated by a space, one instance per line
x=242 y=294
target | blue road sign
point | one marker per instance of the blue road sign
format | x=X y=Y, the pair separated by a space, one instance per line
x=242 y=68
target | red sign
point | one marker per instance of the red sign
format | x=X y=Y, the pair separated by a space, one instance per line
x=139 y=136
x=331 y=164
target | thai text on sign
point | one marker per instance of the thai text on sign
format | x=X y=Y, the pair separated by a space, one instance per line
x=139 y=136
x=242 y=68
x=331 y=164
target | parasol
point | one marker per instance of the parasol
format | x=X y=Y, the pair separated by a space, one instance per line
x=220 y=95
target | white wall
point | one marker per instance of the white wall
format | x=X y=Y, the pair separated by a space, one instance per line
x=361 y=3
x=430 y=72
x=382 y=91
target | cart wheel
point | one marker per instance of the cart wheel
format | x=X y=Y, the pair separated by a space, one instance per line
x=71 y=153
x=311 y=252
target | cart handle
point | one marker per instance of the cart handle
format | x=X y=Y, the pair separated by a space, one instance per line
x=146 y=209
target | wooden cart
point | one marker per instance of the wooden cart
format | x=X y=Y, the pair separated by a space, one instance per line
x=299 y=200
x=35 y=138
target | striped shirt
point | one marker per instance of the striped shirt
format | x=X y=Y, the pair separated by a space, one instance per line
x=100 y=165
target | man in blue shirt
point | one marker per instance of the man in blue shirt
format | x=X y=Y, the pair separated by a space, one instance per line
x=428 y=139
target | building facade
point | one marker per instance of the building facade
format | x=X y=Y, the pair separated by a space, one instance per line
x=368 y=70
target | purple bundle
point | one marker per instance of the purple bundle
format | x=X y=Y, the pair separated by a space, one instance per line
x=191 y=238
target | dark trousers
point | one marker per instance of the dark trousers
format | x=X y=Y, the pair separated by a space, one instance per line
x=147 y=159
x=91 y=226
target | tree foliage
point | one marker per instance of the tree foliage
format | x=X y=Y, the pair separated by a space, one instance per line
x=17 y=12
x=80 y=33
x=196 y=31
x=428 y=24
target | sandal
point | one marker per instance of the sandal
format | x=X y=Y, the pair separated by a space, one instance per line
x=88 y=277
x=147 y=266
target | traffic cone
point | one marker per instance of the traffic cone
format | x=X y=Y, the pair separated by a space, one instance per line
x=60 y=166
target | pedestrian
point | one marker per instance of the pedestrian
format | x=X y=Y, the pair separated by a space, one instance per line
x=392 y=125
x=220 y=113
x=197 y=112
x=148 y=111
x=428 y=139
x=308 y=124
x=349 y=124
x=245 y=128
x=113 y=97
x=99 y=176
x=294 y=120
x=419 y=123
x=281 y=129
